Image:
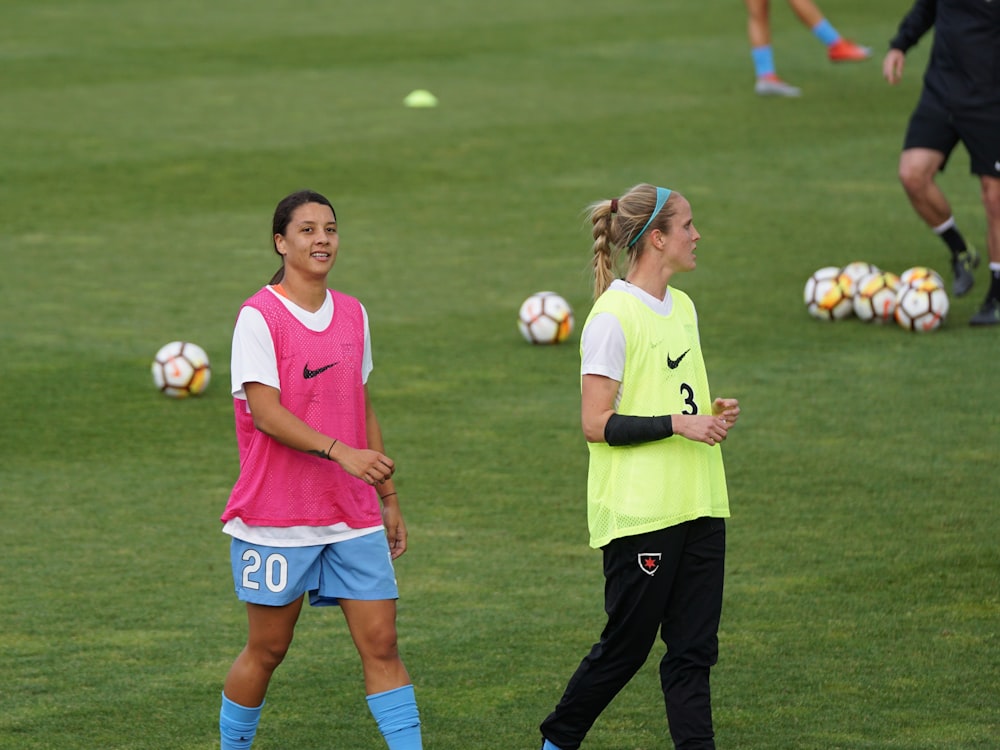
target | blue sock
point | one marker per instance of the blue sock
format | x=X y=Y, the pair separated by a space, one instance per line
x=825 y=32
x=548 y=746
x=237 y=724
x=763 y=60
x=398 y=720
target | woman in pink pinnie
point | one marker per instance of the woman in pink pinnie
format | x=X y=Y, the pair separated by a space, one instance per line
x=314 y=510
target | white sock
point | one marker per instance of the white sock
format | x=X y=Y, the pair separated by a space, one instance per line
x=944 y=227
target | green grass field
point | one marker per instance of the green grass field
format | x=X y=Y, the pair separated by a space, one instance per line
x=144 y=146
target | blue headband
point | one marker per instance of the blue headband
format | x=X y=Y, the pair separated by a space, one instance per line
x=661 y=197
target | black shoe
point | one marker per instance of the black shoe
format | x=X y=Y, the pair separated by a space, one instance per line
x=988 y=315
x=962 y=264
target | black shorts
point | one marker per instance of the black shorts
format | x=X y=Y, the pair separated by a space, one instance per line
x=935 y=127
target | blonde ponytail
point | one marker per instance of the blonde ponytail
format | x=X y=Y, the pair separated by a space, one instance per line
x=622 y=225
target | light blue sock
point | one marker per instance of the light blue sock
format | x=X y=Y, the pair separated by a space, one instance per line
x=763 y=60
x=825 y=32
x=398 y=720
x=549 y=746
x=237 y=724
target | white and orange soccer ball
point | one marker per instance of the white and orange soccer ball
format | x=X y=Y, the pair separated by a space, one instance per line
x=852 y=274
x=875 y=298
x=922 y=305
x=181 y=369
x=920 y=273
x=825 y=295
x=545 y=318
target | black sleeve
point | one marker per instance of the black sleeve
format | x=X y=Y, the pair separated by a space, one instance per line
x=914 y=25
x=622 y=429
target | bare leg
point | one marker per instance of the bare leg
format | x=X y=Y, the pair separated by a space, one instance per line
x=807 y=12
x=373 y=628
x=917 y=169
x=839 y=50
x=991 y=202
x=759 y=32
x=270 y=635
x=989 y=313
x=758 y=22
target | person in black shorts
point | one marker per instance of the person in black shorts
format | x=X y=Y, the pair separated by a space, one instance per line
x=960 y=101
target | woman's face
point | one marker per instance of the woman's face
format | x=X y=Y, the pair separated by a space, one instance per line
x=680 y=244
x=310 y=242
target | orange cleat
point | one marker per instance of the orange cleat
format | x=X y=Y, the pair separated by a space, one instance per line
x=846 y=51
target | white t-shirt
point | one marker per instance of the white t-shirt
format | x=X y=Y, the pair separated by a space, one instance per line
x=602 y=343
x=254 y=361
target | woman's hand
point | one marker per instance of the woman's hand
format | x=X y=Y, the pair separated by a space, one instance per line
x=727 y=408
x=708 y=428
x=370 y=465
x=395 y=529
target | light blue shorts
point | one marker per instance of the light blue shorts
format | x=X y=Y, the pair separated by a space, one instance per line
x=358 y=568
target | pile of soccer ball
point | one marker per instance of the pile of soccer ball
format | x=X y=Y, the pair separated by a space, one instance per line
x=915 y=299
x=181 y=369
x=545 y=318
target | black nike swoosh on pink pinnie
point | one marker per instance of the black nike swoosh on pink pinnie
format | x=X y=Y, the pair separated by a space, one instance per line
x=307 y=373
x=672 y=363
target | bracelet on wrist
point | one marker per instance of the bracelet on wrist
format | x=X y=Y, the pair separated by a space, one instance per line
x=387 y=494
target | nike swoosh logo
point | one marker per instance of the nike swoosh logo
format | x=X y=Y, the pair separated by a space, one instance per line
x=672 y=363
x=307 y=373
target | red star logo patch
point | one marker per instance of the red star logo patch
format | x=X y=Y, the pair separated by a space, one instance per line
x=649 y=562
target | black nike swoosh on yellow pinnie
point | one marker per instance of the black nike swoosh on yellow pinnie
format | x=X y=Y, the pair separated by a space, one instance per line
x=307 y=373
x=672 y=363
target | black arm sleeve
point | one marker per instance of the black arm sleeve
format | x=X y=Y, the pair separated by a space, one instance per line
x=622 y=429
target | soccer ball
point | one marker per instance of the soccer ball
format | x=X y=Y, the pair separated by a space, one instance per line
x=181 y=369
x=851 y=275
x=920 y=273
x=545 y=318
x=922 y=306
x=875 y=298
x=825 y=296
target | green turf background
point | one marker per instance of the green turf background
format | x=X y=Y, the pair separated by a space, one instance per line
x=142 y=149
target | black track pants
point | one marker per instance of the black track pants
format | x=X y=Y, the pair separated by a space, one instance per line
x=668 y=580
